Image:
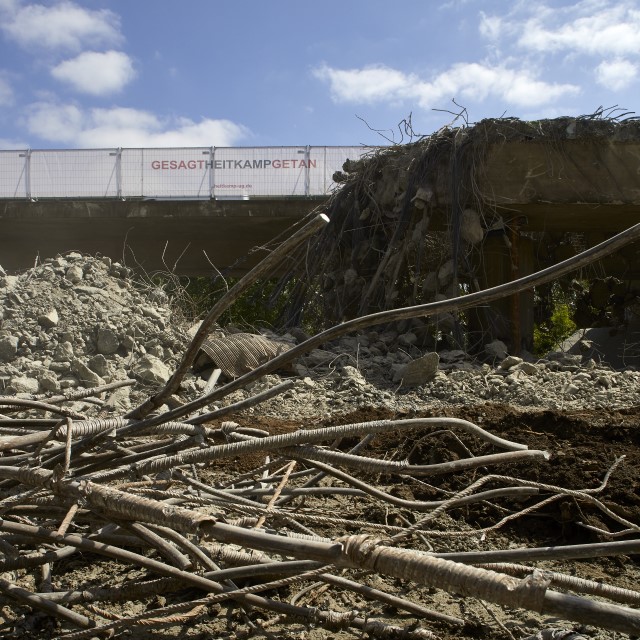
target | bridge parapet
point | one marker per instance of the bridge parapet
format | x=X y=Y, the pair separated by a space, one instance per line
x=184 y=173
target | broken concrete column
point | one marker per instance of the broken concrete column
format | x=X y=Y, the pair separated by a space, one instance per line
x=496 y=320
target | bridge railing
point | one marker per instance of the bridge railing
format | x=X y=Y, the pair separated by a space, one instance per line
x=180 y=173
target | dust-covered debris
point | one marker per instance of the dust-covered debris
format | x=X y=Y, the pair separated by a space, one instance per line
x=76 y=321
x=418 y=222
x=152 y=488
x=109 y=328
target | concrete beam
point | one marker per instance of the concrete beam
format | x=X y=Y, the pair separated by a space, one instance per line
x=184 y=236
x=572 y=185
x=580 y=185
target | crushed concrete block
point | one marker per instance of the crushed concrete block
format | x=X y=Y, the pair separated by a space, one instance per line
x=99 y=364
x=119 y=401
x=529 y=368
x=85 y=375
x=8 y=347
x=510 y=361
x=422 y=198
x=63 y=352
x=496 y=350
x=570 y=389
x=445 y=273
x=151 y=369
x=74 y=274
x=49 y=382
x=471 y=229
x=108 y=342
x=407 y=339
x=24 y=384
x=49 y=319
x=8 y=282
x=352 y=376
x=418 y=371
x=150 y=312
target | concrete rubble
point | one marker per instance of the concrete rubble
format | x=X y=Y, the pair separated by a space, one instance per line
x=77 y=321
x=59 y=334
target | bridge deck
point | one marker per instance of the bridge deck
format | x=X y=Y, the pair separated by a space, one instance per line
x=589 y=185
x=184 y=236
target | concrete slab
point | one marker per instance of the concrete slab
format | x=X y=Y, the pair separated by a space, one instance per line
x=619 y=347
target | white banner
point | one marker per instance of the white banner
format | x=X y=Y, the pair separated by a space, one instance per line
x=180 y=173
x=171 y=173
x=259 y=171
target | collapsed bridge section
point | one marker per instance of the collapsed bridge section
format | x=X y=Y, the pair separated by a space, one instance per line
x=472 y=207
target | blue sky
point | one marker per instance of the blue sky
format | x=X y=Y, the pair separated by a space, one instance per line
x=153 y=73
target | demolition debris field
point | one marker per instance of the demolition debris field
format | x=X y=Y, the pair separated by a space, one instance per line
x=110 y=523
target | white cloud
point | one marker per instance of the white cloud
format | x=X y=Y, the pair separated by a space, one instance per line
x=58 y=123
x=7 y=144
x=124 y=127
x=472 y=81
x=613 y=30
x=593 y=27
x=8 y=6
x=490 y=26
x=65 y=25
x=525 y=91
x=96 y=73
x=603 y=35
x=124 y=118
x=616 y=74
x=6 y=93
x=185 y=132
x=370 y=84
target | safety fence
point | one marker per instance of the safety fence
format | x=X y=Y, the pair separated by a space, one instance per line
x=180 y=173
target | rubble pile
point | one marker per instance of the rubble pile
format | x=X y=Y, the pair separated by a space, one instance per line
x=385 y=369
x=78 y=321
x=182 y=503
x=422 y=222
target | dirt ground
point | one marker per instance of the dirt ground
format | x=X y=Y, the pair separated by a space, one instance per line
x=583 y=446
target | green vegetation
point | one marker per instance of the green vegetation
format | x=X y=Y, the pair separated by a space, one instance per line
x=548 y=334
x=260 y=306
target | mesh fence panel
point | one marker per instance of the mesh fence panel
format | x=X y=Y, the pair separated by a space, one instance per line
x=86 y=173
x=259 y=171
x=13 y=174
x=180 y=173
x=131 y=172
x=176 y=173
x=325 y=161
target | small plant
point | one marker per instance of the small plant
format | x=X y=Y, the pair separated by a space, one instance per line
x=548 y=335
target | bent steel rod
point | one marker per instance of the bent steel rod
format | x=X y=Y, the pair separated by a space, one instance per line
x=359 y=551
x=263 y=268
x=393 y=315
